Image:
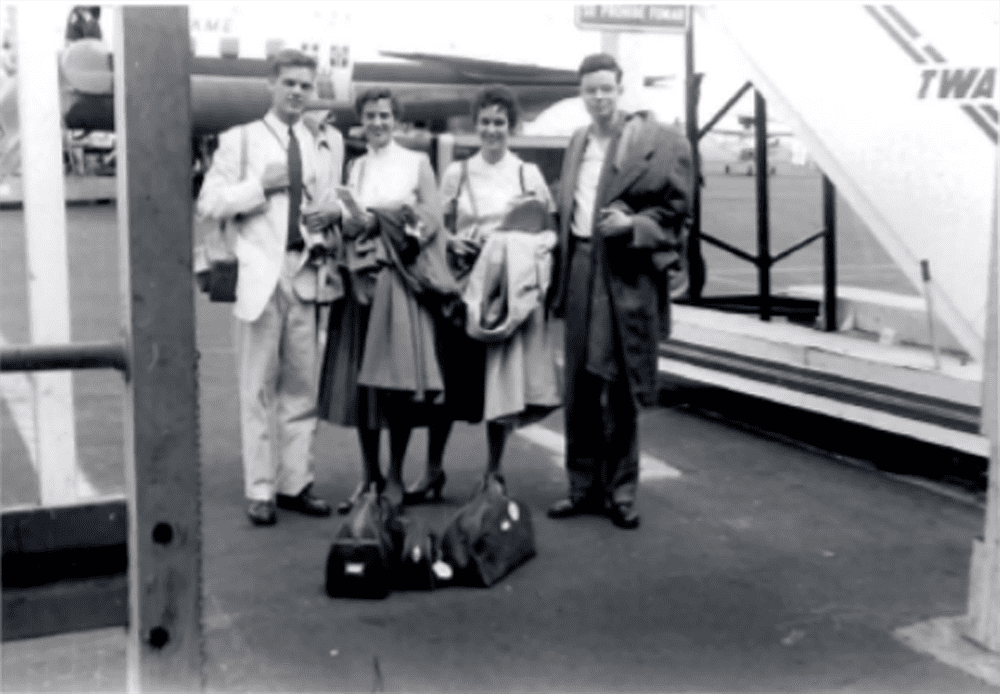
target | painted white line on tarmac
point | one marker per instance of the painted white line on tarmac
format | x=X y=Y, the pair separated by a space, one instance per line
x=650 y=468
x=18 y=391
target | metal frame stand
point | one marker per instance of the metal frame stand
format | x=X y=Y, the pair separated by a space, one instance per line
x=764 y=303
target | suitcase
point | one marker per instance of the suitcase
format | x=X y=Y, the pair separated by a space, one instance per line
x=362 y=555
x=488 y=537
x=415 y=570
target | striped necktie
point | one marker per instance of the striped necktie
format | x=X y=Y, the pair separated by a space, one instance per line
x=295 y=241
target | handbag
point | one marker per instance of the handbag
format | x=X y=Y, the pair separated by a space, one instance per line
x=216 y=266
x=361 y=558
x=488 y=537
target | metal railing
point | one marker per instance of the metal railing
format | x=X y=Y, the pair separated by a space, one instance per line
x=80 y=355
x=764 y=302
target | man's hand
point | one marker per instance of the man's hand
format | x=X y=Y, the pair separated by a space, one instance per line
x=464 y=248
x=275 y=179
x=613 y=222
x=319 y=217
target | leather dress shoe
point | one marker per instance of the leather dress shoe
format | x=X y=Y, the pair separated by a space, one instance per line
x=261 y=512
x=565 y=508
x=304 y=502
x=624 y=515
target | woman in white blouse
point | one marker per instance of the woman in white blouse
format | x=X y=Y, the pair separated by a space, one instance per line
x=478 y=194
x=352 y=392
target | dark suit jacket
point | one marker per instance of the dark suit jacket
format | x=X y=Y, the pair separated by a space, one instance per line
x=647 y=173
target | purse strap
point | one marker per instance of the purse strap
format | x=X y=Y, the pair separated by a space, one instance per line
x=464 y=180
x=243 y=152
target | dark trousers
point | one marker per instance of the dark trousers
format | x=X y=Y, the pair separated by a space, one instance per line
x=602 y=438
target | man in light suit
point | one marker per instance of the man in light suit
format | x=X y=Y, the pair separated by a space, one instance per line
x=263 y=176
x=623 y=205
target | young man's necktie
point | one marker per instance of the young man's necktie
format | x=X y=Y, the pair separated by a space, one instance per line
x=295 y=241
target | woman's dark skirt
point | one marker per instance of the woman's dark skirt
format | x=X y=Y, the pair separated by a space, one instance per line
x=342 y=401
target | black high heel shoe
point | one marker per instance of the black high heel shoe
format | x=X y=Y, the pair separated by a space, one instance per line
x=426 y=489
x=345 y=506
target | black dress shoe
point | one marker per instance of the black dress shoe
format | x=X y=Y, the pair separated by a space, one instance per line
x=261 y=513
x=624 y=515
x=304 y=502
x=565 y=508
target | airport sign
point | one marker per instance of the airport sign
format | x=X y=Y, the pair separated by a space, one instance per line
x=652 y=18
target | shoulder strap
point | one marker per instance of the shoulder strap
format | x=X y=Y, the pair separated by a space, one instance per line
x=274 y=134
x=243 y=152
x=520 y=175
x=468 y=185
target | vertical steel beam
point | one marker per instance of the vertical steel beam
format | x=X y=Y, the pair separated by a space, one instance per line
x=763 y=221
x=162 y=465
x=692 y=83
x=829 y=255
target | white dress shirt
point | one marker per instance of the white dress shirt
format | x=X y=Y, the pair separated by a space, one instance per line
x=585 y=195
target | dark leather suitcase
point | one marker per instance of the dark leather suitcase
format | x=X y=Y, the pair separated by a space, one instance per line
x=488 y=537
x=416 y=559
x=361 y=558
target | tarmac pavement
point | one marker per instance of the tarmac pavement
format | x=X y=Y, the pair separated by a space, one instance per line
x=762 y=568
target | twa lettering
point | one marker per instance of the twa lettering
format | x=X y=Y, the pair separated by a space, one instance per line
x=968 y=83
x=958 y=83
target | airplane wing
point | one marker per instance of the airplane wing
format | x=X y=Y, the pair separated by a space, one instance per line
x=492 y=70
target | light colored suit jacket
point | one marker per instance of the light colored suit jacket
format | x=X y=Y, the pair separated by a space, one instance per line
x=261 y=222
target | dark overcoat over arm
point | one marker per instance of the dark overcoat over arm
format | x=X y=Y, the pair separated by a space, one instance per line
x=649 y=176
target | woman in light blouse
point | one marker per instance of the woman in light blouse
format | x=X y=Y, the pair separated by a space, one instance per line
x=357 y=386
x=479 y=193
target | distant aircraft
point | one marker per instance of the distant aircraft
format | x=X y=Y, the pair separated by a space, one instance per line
x=742 y=144
x=227 y=91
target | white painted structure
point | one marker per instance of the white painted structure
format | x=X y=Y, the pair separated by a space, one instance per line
x=896 y=104
x=40 y=29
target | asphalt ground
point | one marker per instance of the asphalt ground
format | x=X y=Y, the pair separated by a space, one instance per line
x=763 y=567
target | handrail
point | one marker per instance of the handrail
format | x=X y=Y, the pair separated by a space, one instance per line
x=61 y=357
x=732 y=249
x=725 y=108
x=801 y=244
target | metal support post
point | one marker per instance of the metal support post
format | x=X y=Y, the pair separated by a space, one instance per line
x=763 y=223
x=162 y=463
x=692 y=82
x=829 y=255
x=984 y=573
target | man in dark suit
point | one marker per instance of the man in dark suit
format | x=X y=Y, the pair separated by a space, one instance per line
x=624 y=201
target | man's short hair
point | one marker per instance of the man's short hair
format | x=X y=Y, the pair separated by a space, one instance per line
x=377 y=94
x=598 y=62
x=290 y=57
x=498 y=95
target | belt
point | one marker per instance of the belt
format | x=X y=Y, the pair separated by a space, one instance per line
x=297 y=246
x=582 y=239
